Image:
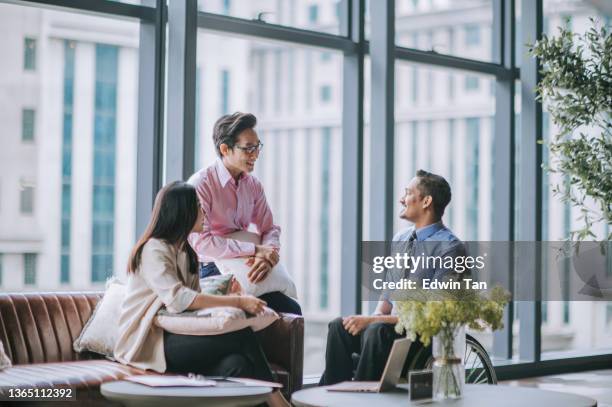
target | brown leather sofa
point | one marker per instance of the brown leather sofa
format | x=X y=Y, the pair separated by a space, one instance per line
x=38 y=329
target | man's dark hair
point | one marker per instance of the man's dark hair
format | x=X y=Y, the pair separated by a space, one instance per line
x=437 y=187
x=228 y=127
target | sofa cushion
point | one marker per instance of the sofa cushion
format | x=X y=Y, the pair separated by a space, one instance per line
x=80 y=374
x=214 y=321
x=277 y=279
x=101 y=330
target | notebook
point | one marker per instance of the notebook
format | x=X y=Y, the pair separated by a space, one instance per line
x=170 y=381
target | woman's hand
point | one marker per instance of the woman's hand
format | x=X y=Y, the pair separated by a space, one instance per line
x=235 y=287
x=250 y=304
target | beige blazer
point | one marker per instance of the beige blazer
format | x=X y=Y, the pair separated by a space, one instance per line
x=163 y=279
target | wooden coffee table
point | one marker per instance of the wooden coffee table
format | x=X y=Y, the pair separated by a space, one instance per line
x=476 y=395
x=134 y=394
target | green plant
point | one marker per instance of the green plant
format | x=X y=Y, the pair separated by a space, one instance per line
x=427 y=312
x=576 y=87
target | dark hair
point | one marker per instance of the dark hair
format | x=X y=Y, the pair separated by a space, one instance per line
x=174 y=214
x=228 y=127
x=437 y=187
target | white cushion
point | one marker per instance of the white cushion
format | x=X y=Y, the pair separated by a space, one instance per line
x=101 y=331
x=4 y=359
x=213 y=321
x=278 y=279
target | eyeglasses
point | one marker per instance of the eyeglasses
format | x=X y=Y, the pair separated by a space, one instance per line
x=251 y=149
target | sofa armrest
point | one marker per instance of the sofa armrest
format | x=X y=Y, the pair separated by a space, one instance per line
x=283 y=344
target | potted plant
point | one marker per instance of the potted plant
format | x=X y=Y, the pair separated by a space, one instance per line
x=576 y=88
x=442 y=315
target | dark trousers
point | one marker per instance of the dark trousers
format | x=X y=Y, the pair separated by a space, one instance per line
x=372 y=346
x=235 y=354
x=276 y=300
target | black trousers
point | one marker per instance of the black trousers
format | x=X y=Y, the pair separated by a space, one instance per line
x=373 y=346
x=276 y=300
x=235 y=354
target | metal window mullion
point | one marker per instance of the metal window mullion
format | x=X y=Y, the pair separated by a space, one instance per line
x=528 y=265
x=352 y=159
x=180 y=122
x=503 y=176
x=258 y=29
x=382 y=121
x=101 y=7
x=448 y=61
x=150 y=114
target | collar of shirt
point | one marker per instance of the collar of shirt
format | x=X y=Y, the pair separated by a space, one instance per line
x=426 y=232
x=224 y=174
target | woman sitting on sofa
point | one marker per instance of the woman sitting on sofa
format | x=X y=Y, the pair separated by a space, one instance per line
x=163 y=271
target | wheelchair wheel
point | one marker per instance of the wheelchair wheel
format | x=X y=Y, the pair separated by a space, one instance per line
x=478 y=366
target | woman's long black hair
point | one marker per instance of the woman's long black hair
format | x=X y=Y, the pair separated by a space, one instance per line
x=174 y=214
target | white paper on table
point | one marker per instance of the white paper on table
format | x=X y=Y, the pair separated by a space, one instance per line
x=253 y=382
x=170 y=381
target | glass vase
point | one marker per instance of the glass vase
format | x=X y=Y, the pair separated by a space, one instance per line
x=448 y=369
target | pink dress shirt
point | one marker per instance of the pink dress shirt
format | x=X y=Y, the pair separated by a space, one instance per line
x=230 y=206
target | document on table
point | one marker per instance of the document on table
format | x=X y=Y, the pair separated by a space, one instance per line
x=253 y=382
x=170 y=381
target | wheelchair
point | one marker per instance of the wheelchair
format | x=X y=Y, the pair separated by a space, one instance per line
x=478 y=366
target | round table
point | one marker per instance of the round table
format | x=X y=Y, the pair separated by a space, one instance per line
x=475 y=395
x=134 y=394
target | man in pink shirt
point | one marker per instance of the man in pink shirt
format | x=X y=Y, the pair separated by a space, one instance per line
x=232 y=199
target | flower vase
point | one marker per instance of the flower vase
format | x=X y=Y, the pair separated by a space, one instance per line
x=448 y=369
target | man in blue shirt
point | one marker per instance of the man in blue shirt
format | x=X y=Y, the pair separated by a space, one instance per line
x=424 y=201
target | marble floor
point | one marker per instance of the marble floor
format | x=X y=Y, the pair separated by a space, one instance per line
x=595 y=384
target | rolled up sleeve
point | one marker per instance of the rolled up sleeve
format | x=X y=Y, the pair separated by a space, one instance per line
x=160 y=271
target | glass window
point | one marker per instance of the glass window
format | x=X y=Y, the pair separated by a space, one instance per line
x=29 y=268
x=325 y=93
x=1 y=268
x=28 y=119
x=459 y=28
x=300 y=166
x=66 y=218
x=225 y=91
x=452 y=137
x=29 y=54
x=471 y=82
x=313 y=13
x=322 y=16
x=472 y=35
x=566 y=329
x=26 y=201
x=227 y=5
x=87 y=86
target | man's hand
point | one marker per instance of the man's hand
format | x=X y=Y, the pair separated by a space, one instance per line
x=354 y=324
x=267 y=252
x=260 y=268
